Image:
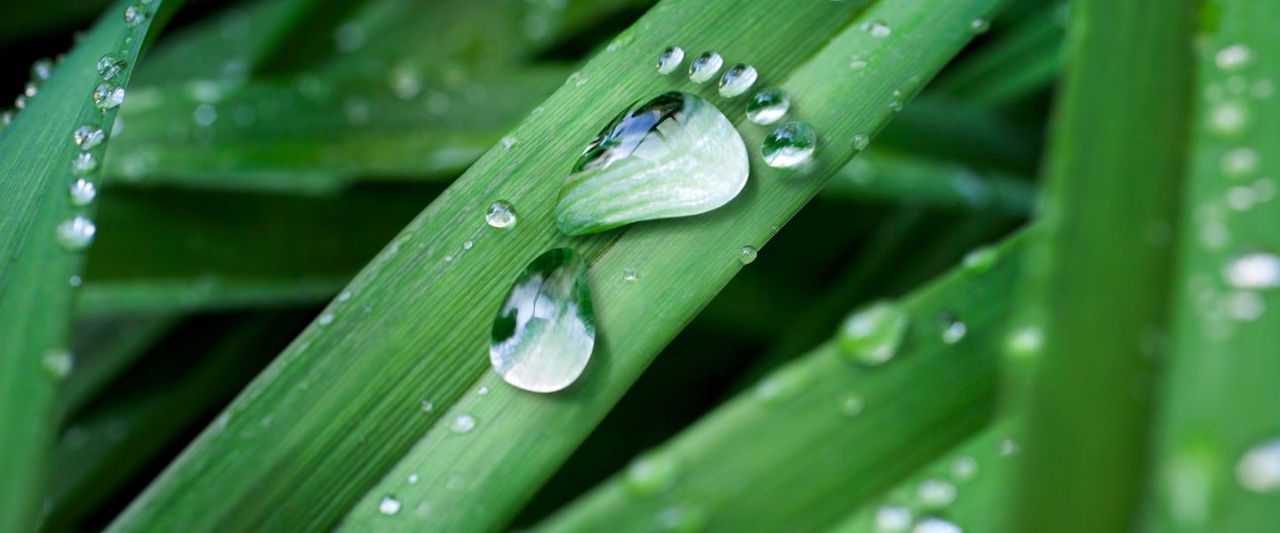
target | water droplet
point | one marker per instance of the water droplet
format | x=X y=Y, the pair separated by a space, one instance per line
x=1233 y=57
x=1008 y=447
x=344 y=296
x=789 y=145
x=1240 y=161
x=682 y=519
x=857 y=63
x=935 y=525
x=675 y=155
x=873 y=334
x=650 y=475
x=980 y=260
x=628 y=274
x=979 y=25
x=76 y=233
x=545 y=330
x=388 y=505
x=462 y=423
x=1024 y=342
x=413 y=479
x=31 y=89
x=58 y=363
x=747 y=255
x=136 y=13
x=325 y=319
x=88 y=137
x=852 y=405
x=427 y=406
x=82 y=192
x=205 y=115
x=501 y=214
x=860 y=141
x=953 y=330
x=705 y=67
x=108 y=95
x=737 y=80
x=1246 y=305
x=936 y=493
x=892 y=519
x=1259 y=468
x=1255 y=270
x=878 y=29
x=768 y=106
x=83 y=163
x=42 y=69
x=508 y=141
x=964 y=468
x=467 y=245
x=110 y=66
x=1228 y=118
x=669 y=60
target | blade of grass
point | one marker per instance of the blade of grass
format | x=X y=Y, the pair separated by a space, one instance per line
x=1014 y=66
x=885 y=176
x=1101 y=278
x=820 y=445
x=331 y=442
x=1219 y=397
x=36 y=152
x=105 y=348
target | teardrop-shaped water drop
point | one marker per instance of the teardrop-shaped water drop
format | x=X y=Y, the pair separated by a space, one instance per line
x=873 y=334
x=545 y=330
x=789 y=145
x=675 y=155
x=669 y=60
x=88 y=137
x=768 y=106
x=748 y=255
x=705 y=67
x=737 y=80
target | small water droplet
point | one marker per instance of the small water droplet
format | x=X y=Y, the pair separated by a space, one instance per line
x=860 y=141
x=892 y=519
x=953 y=330
x=136 y=13
x=83 y=163
x=935 y=525
x=1233 y=58
x=682 y=519
x=1228 y=118
x=110 y=66
x=344 y=296
x=462 y=423
x=705 y=67
x=108 y=95
x=427 y=406
x=467 y=245
x=204 y=115
x=1240 y=161
x=88 y=137
x=650 y=475
x=483 y=390
x=1259 y=468
x=1024 y=342
x=747 y=255
x=82 y=192
x=737 y=80
x=501 y=214
x=629 y=274
x=1255 y=270
x=964 y=468
x=768 y=106
x=1008 y=447
x=979 y=25
x=873 y=334
x=388 y=505
x=545 y=331
x=857 y=63
x=936 y=493
x=852 y=405
x=508 y=141
x=58 y=363
x=31 y=89
x=669 y=60
x=878 y=29
x=980 y=260
x=42 y=69
x=76 y=233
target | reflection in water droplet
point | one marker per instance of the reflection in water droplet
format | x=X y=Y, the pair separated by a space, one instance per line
x=860 y=141
x=672 y=156
x=768 y=106
x=737 y=80
x=76 y=233
x=427 y=406
x=873 y=334
x=705 y=67
x=388 y=505
x=501 y=214
x=545 y=330
x=669 y=60
x=979 y=25
x=953 y=330
x=789 y=145
x=980 y=260
x=462 y=423
x=892 y=519
x=41 y=69
x=1259 y=468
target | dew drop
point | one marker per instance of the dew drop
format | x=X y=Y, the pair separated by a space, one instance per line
x=1259 y=468
x=953 y=330
x=878 y=29
x=852 y=405
x=669 y=60
x=76 y=233
x=462 y=423
x=1228 y=118
x=427 y=406
x=88 y=137
x=650 y=475
x=936 y=493
x=1240 y=161
x=31 y=89
x=964 y=468
x=83 y=163
x=980 y=260
x=42 y=69
x=767 y=106
x=857 y=63
x=935 y=525
x=681 y=519
x=1008 y=447
x=1024 y=342
x=872 y=335
x=892 y=519
x=467 y=245
x=82 y=192
x=108 y=95
x=860 y=141
x=501 y=214
x=325 y=319
x=629 y=274
x=747 y=255
x=58 y=363
x=1255 y=270
x=110 y=66
x=413 y=479
x=979 y=25
x=705 y=67
x=737 y=80
x=508 y=141
x=388 y=505
x=789 y=145
x=136 y=13
x=205 y=115
x=545 y=331
x=1233 y=58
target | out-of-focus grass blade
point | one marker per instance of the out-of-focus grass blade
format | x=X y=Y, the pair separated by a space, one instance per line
x=1098 y=287
x=1216 y=440
x=104 y=348
x=26 y=19
x=889 y=177
x=166 y=251
x=834 y=427
x=1015 y=65
x=224 y=46
x=942 y=126
x=418 y=319
x=36 y=155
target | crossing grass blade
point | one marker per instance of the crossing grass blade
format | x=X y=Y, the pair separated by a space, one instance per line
x=1017 y=64
x=333 y=435
x=36 y=151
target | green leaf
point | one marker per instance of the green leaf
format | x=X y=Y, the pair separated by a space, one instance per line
x=36 y=154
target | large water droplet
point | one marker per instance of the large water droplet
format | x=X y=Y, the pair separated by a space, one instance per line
x=108 y=96
x=82 y=192
x=650 y=475
x=76 y=233
x=789 y=145
x=873 y=334
x=675 y=155
x=1259 y=468
x=737 y=80
x=705 y=67
x=892 y=519
x=110 y=66
x=88 y=137
x=768 y=106
x=388 y=505
x=1256 y=270
x=545 y=330
x=501 y=214
x=669 y=60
